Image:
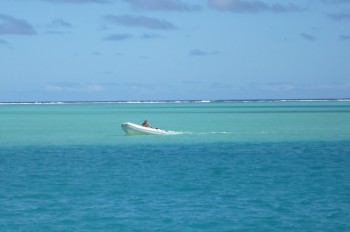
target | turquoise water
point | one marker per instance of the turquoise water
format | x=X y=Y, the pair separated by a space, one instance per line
x=227 y=166
x=65 y=124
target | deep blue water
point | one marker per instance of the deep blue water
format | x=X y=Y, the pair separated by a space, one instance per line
x=281 y=186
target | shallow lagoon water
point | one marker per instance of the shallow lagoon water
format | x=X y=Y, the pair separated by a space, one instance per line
x=57 y=124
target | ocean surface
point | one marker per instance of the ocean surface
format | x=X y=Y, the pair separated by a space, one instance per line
x=226 y=166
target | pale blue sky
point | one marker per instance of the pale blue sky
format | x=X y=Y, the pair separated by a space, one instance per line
x=60 y=50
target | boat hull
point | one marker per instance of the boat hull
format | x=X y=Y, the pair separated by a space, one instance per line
x=134 y=129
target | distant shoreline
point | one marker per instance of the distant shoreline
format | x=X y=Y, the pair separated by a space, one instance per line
x=175 y=101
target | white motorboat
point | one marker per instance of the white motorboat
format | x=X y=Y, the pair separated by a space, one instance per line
x=134 y=129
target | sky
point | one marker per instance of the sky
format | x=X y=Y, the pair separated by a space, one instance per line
x=119 y=50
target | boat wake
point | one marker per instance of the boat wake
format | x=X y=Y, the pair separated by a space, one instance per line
x=169 y=132
x=197 y=133
x=177 y=132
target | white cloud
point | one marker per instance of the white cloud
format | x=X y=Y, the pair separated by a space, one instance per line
x=165 y=5
x=276 y=86
x=74 y=87
x=198 y=52
x=78 y=1
x=140 y=21
x=3 y=41
x=13 y=26
x=308 y=37
x=251 y=6
x=118 y=37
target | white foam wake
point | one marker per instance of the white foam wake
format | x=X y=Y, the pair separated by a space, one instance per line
x=197 y=133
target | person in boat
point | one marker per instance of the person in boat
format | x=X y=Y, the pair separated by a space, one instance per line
x=146 y=124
